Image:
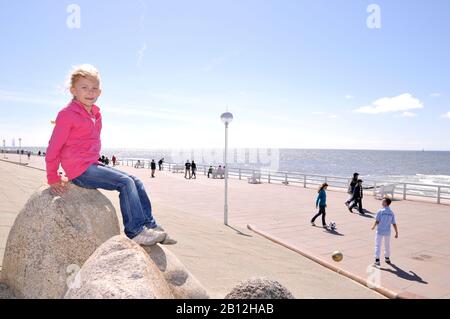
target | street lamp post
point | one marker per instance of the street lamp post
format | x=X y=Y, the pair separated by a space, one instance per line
x=226 y=118
x=20 y=150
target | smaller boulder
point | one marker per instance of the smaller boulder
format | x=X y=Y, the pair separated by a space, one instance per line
x=259 y=288
x=181 y=282
x=119 y=269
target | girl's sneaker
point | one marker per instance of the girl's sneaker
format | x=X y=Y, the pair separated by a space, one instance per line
x=377 y=263
x=149 y=237
x=313 y=224
x=387 y=260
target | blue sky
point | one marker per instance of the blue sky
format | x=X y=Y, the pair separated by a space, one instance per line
x=297 y=74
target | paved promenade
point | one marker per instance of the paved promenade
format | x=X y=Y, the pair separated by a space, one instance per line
x=421 y=254
x=218 y=256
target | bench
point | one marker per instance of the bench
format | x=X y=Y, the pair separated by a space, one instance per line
x=139 y=165
x=218 y=173
x=381 y=191
x=178 y=168
x=255 y=178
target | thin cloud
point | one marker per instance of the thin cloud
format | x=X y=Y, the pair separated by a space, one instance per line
x=446 y=115
x=141 y=53
x=409 y=114
x=435 y=95
x=349 y=97
x=400 y=103
x=28 y=98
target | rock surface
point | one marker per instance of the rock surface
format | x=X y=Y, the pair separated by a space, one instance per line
x=119 y=269
x=54 y=235
x=5 y=292
x=181 y=282
x=259 y=288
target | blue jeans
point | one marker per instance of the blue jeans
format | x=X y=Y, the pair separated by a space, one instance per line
x=135 y=205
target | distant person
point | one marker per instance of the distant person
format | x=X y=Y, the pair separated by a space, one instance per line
x=187 y=170
x=106 y=160
x=138 y=164
x=153 y=168
x=357 y=198
x=383 y=221
x=194 y=170
x=29 y=155
x=321 y=203
x=114 y=159
x=75 y=145
x=351 y=187
x=39 y=153
x=160 y=164
x=210 y=171
x=103 y=159
x=220 y=171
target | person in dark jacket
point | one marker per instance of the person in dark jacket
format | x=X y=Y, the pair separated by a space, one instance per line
x=321 y=203
x=210 y=171
x=194 y=170
x=351 y=188
x=187 y=170
x=357 y=198
x=160 y=163
x=153 y=168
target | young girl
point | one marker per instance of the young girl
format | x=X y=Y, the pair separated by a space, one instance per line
x=75 y=144
x=321 y=202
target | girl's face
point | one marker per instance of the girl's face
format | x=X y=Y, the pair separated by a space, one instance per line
x=86 y=90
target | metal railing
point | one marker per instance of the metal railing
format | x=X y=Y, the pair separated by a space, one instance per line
x=438 y=192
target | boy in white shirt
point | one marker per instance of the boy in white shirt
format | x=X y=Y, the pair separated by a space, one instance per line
x=385 y=218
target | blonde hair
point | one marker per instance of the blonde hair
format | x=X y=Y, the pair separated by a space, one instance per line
x=82 y=71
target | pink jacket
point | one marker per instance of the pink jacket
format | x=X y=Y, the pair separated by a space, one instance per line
x=75 y=142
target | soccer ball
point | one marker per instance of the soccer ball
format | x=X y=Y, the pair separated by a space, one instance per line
x=332 y=225
x=337 y=256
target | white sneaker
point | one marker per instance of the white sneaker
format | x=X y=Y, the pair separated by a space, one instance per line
x=149 y=237
x=158 y=228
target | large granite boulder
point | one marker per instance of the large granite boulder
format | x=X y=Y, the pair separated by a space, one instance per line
x=54 y=235
x=119 y=269
x=259 y=288
x=181 y=282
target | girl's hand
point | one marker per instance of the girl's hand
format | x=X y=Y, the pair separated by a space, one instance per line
x=59 y=188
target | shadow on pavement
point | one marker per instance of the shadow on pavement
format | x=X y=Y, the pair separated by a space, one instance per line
x=333 y=232
x=411 y=275
x=366 y=215
x=239 y=232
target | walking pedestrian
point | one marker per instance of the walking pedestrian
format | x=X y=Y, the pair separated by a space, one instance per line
x=357 y=198
x=194 y=170
x=351 y=187
x=321 y=203
x=153 y=168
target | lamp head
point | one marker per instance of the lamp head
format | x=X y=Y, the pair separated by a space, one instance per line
x=226 y=118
